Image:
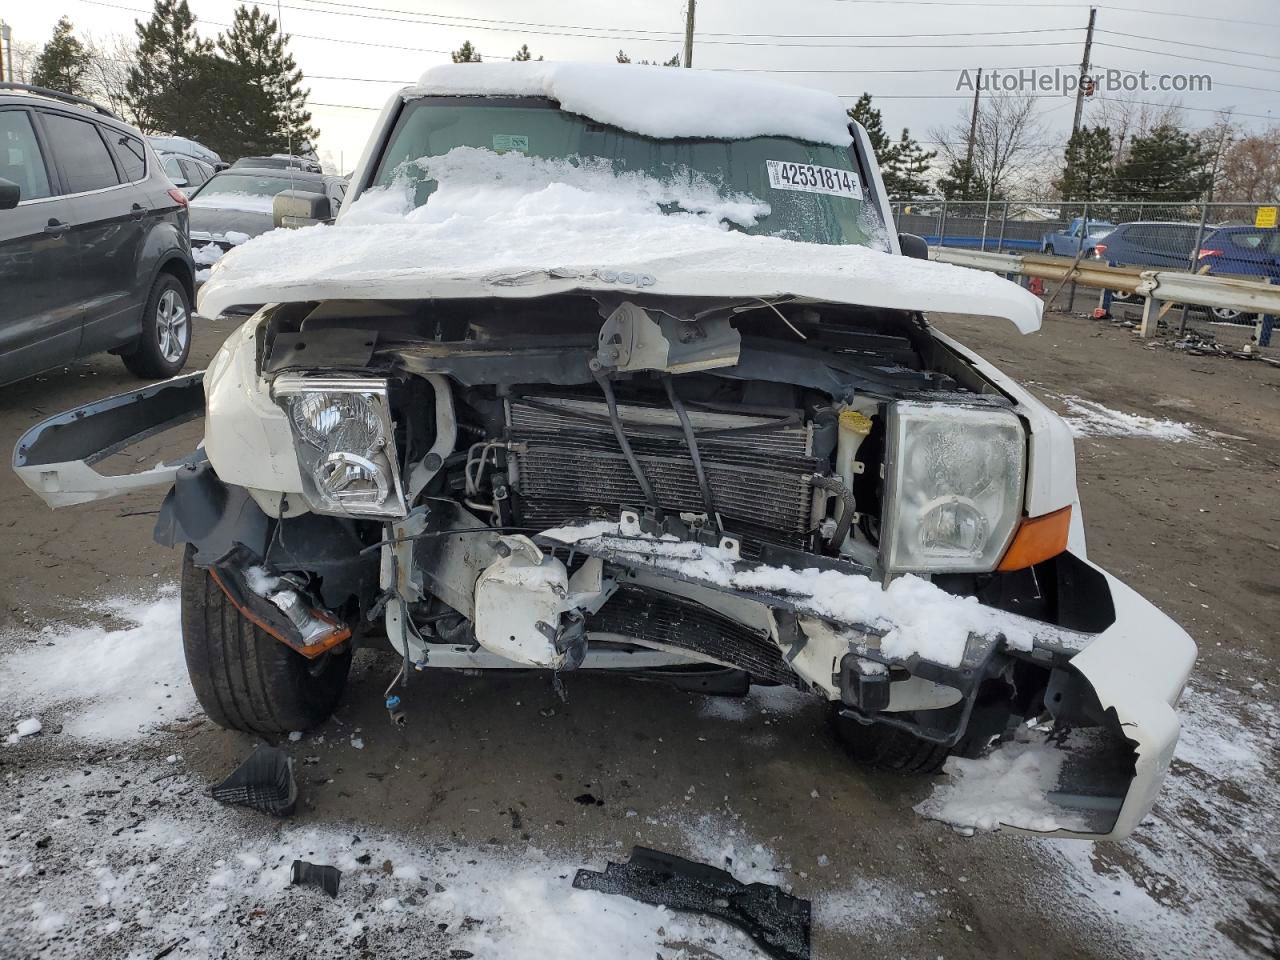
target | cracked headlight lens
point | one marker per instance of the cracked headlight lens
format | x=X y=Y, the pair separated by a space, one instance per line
x=345 y=443
x=953 y=487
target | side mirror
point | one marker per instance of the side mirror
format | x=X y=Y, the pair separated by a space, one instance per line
x=298 y=208
x=10 y=194
x=913 y=246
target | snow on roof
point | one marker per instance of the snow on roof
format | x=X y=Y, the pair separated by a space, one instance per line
x=656 y=102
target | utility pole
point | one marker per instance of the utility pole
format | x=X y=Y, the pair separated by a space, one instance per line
x=688 y=34
x=1084 y=70
x=6 y=62
x=973 y=133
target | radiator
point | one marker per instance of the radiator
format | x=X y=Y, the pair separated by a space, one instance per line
x=569 y=466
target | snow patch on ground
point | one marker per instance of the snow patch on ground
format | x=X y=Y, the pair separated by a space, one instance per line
x=763 y=701
x=1198 y=876
x=1008 y=787
x=657 y=103
x=109 y=681
x=158 y=864
x=1087 y=418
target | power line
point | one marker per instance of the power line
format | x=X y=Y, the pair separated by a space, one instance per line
x=669 y=35
x=1063 y=6
x=1183 y=56
x=1186 y=43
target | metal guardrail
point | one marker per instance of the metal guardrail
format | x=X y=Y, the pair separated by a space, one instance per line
x=1159 y=287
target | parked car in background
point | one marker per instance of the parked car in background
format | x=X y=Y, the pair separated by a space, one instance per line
x=185 y=146
x=1150 y=244
x=236 y=205
x=186 y=173
x=94 y=253
x=1069 y=242
x=1240 y=252
x=281 y=161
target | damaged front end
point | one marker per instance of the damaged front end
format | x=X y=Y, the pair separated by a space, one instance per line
x=829 y=497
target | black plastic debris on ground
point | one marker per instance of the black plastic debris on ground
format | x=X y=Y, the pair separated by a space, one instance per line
x=264 y=782
x=777 y=922
x=304 y=874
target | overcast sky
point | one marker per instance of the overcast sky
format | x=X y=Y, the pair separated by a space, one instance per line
x=845 y=46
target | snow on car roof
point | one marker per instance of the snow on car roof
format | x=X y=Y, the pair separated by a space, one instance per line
x=655 y=102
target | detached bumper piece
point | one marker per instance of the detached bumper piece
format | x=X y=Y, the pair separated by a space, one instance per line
x=263 y=782
x=55 y=458
x=778 y=922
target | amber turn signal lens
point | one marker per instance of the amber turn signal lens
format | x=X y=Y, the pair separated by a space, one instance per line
x=1037 y=539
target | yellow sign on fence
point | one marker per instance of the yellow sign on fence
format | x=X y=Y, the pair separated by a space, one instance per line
x=1265 y=217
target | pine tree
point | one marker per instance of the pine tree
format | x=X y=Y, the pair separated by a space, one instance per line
x=673 y=62
x=273 y=101
x=907 y=176
x=1086 y=165
x=466 y=54
x=962 y=181
x=1167 y=165
x=63 y=62
x=164 y=86
x=522 y=54
x=869 y=117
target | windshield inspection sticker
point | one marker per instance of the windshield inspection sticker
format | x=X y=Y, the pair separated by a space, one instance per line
x=807 y=178
x=504 y=142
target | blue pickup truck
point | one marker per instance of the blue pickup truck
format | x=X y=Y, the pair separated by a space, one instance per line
x=1069 y=242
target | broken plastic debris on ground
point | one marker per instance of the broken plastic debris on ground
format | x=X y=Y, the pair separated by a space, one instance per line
x=178 y=871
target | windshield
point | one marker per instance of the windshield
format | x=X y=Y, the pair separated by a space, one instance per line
x=257 y=186
x=813 y=192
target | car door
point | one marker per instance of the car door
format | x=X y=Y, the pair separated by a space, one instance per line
x=39 y=303
x=1242 y=253
x=108 y=222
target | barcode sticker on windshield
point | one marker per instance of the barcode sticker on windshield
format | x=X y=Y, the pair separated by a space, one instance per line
x=506 y=142
x=807 y=178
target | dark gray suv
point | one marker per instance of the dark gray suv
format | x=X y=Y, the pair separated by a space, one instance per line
x=94 y=248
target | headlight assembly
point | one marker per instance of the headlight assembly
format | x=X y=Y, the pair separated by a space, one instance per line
x=953 y=487
x=345 y=443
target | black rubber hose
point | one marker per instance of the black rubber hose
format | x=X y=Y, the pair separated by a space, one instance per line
x=645 y=488
x=708 y=499
x=848 y=507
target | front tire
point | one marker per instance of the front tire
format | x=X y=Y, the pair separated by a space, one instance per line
x=162 y=348
x=244 y=678
x=889 y=748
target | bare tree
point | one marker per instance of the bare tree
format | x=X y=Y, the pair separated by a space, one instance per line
x=24 y=61
x=1008 y=144
x=1129 y=119
x=107 y=78
x=1251 y=168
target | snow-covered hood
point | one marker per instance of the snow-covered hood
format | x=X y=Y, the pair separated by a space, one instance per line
x=513 y=226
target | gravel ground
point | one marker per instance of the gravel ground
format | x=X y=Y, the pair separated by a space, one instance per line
x=458 y=835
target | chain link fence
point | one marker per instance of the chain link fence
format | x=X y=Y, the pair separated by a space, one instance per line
x=1219 y=238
